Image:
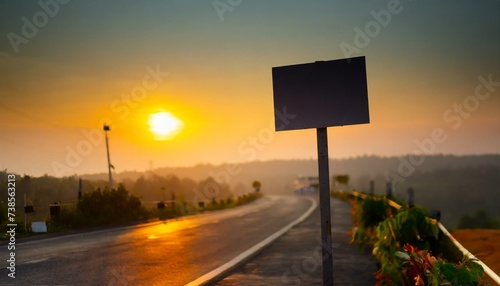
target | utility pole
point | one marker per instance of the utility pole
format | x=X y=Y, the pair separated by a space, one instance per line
x=106 y=129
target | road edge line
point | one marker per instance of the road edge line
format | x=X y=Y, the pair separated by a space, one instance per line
x=217 y=272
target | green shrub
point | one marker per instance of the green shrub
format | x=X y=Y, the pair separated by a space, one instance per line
x=408 y=226
x=401 y=245
x=419 y=267
x=98 y=208
x=374 y=210
x=366 y=216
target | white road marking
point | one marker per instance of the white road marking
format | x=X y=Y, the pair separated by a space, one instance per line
x=254 y=249
x=36 y=260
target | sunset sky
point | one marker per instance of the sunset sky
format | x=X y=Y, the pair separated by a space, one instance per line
x=67 y=67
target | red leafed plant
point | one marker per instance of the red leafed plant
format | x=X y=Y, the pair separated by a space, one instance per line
x=420 y=268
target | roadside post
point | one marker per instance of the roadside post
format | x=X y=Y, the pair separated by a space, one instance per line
x=388 y=190
x=411 y=197
x=79 y=188
x=319 y=95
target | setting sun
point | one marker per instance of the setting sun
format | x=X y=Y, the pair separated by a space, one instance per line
x=164 y=125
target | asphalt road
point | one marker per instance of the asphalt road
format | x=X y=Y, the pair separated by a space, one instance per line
x=296 y=258
x=172 y=253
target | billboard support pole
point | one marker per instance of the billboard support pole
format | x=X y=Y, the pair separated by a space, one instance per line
x=324 y=203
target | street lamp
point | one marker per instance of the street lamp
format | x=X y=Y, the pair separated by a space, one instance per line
x=106 y=129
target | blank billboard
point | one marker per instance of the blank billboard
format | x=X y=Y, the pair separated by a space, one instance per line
x=321 y=94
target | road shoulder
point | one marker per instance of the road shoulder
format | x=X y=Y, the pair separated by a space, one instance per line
x=295 y=258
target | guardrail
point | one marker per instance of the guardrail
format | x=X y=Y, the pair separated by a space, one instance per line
x=487 y=270
x=460 y=247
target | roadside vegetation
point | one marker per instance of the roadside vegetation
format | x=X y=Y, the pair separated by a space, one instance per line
x=231 y=203
x=407 y=245
x=101 y=206
x=118 y=207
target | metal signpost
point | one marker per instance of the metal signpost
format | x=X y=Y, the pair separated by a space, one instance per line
x=319 y=95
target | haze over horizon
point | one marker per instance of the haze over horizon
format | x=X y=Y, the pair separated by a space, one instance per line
x=68 y=67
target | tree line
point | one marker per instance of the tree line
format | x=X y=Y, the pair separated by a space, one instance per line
x=130 y=200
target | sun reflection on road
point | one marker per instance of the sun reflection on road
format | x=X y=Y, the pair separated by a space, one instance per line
x=163 y=229
x=163 y=252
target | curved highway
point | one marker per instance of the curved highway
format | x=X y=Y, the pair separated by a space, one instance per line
x=171 y=253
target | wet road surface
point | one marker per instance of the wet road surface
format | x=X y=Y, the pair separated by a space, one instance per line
x=172 y=253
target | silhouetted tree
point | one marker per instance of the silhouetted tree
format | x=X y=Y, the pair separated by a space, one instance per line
x=481 y=220
x=256 y=185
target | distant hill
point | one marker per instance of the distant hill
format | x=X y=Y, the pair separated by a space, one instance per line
x=277 y=175
x=456 y=185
